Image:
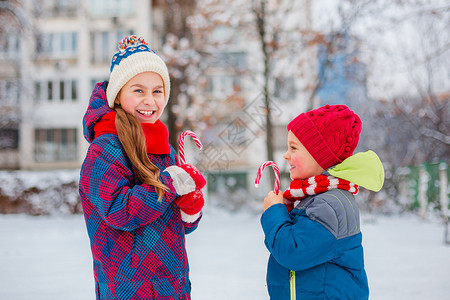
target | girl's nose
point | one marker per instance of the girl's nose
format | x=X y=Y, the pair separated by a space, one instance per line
x=149 y=100
x=285 y=155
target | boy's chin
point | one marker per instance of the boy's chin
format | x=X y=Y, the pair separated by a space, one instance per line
x=295 y=177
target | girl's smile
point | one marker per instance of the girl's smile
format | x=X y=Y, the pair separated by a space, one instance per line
x=146 y=112
x=143 y=97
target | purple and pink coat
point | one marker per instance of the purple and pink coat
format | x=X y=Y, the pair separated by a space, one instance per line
x=137 y=242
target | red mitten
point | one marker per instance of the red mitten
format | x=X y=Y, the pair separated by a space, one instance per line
x=190 y=205
x=195 y=174
x=185 y=178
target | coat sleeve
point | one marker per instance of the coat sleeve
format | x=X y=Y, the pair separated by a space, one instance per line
x=299 y=243
x=190 y=227
x=107 y=181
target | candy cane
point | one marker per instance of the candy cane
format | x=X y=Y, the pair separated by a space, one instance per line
x=276 y=186
x=181 y=144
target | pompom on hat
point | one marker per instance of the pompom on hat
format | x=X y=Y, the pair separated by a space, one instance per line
x=134 y=57
x=330 y=133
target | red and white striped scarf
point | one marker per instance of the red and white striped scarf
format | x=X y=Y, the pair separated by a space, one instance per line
x=300 y=189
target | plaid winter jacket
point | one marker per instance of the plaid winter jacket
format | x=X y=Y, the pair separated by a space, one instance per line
x=137 y=242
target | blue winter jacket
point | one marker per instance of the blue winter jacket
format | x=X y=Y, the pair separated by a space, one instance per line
x=320 y=240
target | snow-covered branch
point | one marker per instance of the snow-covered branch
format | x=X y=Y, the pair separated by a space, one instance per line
x=435 y=135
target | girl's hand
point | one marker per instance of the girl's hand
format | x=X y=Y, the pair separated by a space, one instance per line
x=186 y=178
x=190 y=205
x=272 y=199
x=195 y=174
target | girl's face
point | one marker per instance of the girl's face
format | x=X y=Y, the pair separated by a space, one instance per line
x=302 y=164
x=143 y=97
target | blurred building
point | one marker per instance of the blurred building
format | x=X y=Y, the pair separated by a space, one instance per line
x=342 y=76
x=52 y=52
x=233 y=85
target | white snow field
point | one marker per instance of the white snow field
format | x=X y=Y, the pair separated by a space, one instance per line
x=49 y=258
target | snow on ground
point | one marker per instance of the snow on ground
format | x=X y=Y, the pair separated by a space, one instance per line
x=49 y=258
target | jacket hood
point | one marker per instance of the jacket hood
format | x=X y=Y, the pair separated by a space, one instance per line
x=97 y=108
x=364 y=169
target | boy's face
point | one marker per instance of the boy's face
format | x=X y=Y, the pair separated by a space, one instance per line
x=302 y=164
x=143 y=97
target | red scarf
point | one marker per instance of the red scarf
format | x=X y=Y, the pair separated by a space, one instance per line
x=156 y=134
x=300 y=189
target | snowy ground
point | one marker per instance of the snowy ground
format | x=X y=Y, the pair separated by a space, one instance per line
x=49 y=258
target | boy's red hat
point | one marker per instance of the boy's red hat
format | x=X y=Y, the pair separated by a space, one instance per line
x=330 y=133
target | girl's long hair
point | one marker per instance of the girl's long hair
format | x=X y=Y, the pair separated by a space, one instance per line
x=132 y=138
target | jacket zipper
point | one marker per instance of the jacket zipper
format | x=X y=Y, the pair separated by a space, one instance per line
x=292 y=285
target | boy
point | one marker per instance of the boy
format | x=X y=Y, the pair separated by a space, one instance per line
x=315 y=247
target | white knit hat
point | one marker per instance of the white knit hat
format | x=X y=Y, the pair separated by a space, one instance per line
x=134 y=57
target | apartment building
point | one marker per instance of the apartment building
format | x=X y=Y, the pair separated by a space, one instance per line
x=50 y=59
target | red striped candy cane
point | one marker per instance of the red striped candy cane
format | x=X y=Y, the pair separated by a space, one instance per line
x=181 y=144
x=276 y=186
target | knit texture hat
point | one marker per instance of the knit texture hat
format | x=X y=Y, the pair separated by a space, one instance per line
x=329 y=133
x=134 y=57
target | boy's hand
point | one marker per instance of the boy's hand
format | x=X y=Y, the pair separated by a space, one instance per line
x=272 y=199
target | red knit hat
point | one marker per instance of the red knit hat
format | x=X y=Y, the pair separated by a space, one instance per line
x=330 y=133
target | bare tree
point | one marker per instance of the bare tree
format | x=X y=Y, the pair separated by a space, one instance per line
x=13 y=25
x=260 y=14
x=11 y=16
x=407 y=120
x=285 y=40
x=416 y=90
x=179 y=55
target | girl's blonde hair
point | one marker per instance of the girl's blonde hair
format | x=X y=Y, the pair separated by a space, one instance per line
x=132 y=138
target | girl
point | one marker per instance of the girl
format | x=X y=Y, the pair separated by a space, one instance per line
x=131 y=186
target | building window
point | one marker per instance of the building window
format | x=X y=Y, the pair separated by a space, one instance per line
x=279 y=136
x=64 y=90
x=104 y=44
x=94 y=81
x=53 y=145
x=9 y=138
x=55 y=8
x=9 y=92
x=9 y=46
x=101 y=47
x=222 y=33
x=73 y=90
x=230 y=182
x=227 y=60
x=57 y=44
x=120 y=35
x=111 y=7
x=49 y=90
x=223 y=85
x=285 y=88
